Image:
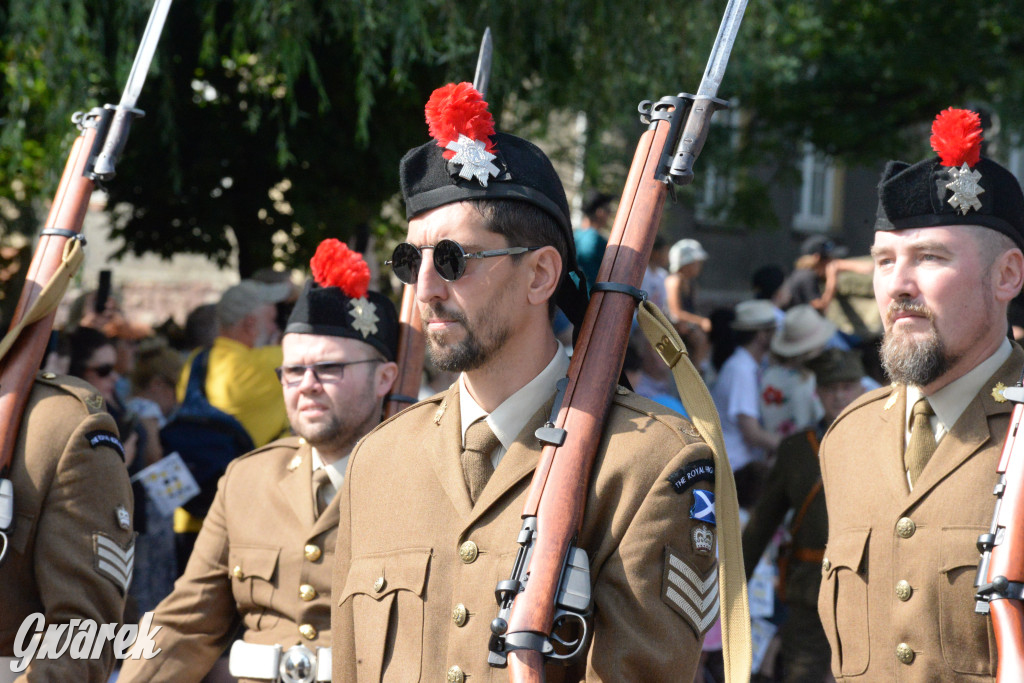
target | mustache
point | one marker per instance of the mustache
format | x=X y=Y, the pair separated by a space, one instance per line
x=434 y=312
x=907 y=306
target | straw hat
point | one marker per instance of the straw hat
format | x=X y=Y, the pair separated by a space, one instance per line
x=803 y=330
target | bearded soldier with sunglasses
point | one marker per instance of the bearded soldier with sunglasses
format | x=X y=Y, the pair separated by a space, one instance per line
x=263 y=558
x=431 y=503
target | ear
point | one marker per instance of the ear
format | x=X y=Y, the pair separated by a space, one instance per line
x=387 y=373
x=545 y=269
x=1008 y=275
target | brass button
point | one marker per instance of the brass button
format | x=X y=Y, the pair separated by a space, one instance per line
x=307 y=592
x=312 y=552
x=455 y=675
x=238 y=573
x=903 y=590
x=307 y=631
x=904 y=653
x=378 y=585
x=460 y=614
x=905 y=528
x=468 y=552
x=825 y=565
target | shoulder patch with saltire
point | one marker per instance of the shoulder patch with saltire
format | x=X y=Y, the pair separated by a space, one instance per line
x=113 y=560
x=703 y=509
x=693 y=594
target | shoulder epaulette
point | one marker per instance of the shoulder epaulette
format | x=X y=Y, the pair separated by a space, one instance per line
x=79 y=388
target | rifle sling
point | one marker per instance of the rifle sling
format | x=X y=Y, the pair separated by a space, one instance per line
x=732 y=585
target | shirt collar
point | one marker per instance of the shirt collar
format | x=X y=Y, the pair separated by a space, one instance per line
x=509 y=418
x=335 y=470
x=952 y=400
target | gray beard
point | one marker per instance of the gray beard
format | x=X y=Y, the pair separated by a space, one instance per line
x=917 y=362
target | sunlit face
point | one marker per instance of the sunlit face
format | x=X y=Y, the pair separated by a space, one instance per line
x=100 y=371
x=332 y=414
x=467 y=322
x=935 y=295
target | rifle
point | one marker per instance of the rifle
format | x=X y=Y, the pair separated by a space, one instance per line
x=94 y=153
x=411 y=344
x=1000 y=578
x=549 y=588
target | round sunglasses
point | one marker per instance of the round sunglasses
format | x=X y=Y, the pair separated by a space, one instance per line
x=449 y=259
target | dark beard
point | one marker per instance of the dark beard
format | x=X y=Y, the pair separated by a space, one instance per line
x=469 y=354
x=910 y=361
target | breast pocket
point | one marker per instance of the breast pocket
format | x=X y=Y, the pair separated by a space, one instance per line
x=843 y=600
x=254 y=580
x=967 y=640
x=386 y=590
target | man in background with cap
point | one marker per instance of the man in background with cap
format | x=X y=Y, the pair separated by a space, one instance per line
x=240 y=376
x=909 y=469
x=263 y=559
x=794 y=484
x=737 y=396
x=805 y=284
x=432 y=501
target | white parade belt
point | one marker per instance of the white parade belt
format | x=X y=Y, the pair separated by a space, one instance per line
x=297 y=664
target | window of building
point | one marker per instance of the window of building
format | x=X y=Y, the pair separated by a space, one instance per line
x=815 y=205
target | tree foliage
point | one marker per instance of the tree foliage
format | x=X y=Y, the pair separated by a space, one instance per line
x=276 y=123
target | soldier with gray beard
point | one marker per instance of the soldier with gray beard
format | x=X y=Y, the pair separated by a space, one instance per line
x=909 y=469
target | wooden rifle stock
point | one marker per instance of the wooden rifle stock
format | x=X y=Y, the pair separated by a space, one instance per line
x=410 y=356
x=1002 y=563
x=558 y=491
x=19 y=366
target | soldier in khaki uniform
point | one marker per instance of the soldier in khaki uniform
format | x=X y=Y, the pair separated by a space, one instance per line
x=263 y=558
x=909 y=469
x=432 y=500
x=69 y=554
x=794 y=484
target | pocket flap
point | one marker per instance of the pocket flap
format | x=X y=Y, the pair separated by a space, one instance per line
x=381 y=574
x=960 y=547
x=846 y=549
x=253 y=561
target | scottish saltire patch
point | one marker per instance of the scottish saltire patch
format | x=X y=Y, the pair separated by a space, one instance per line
x=113 y=560
x=691 y=593
x=703 y=509
x=109 y=439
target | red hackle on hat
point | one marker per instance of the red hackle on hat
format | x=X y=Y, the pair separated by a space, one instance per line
x=956 y=137
x=458 y=109
x=335 y=265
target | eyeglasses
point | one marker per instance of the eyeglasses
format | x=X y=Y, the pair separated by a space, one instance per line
x=102 y=370
x=324 y=372
x=449 y=259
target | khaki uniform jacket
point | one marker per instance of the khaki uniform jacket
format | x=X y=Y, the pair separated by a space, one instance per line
x=791 y=479
x=897 y=595
x=261 y=561
x=68 y=492
x=413 y=553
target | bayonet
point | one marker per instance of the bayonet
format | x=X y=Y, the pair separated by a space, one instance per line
x=483 y=64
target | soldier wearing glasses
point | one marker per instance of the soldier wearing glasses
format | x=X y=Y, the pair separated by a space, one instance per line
x=431 y=503
x=263 y=558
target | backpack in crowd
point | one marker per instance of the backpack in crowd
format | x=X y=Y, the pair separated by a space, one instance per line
x=206 y=438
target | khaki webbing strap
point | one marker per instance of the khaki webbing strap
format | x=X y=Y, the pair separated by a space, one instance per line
x=732 y=585
x=51 y=294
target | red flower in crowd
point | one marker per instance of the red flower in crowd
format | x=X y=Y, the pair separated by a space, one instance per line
x=772 y=396
x=458 y=109
x=335 y=265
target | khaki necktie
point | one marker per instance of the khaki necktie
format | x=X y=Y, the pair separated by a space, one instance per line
x=476 y=457
x=321 y=490
x=922 y=440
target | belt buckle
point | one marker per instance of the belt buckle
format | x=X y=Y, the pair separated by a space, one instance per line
x=298 y=665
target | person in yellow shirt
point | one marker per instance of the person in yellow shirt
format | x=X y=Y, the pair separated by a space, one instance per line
x=240 y=377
